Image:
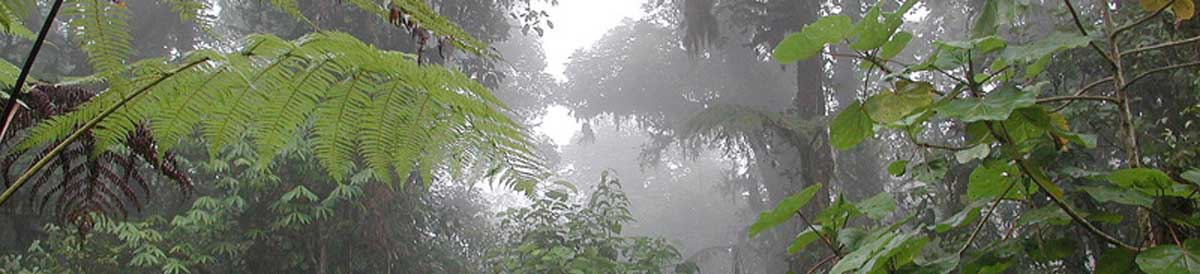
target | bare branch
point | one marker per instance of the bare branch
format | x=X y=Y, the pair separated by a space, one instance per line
x=1159 y=46
x=1157 y=70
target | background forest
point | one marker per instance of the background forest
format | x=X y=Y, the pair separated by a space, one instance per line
x=693 y=136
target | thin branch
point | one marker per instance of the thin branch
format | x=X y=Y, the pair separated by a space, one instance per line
x=10 y=108
x=825 y=239
x=814 y=268
x=991 y=211
x=58 y=149
x=1157 y=70
x=1142 y=20
x=1040 y=180
x=1077 y=98
x=1079 y=25
x=1162 y=45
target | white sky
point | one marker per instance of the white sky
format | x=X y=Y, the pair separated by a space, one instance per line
x=577 y=24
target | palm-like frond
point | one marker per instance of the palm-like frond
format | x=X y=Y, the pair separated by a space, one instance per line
x=364 y=105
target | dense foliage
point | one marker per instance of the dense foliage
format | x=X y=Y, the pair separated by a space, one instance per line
x=1017 y=133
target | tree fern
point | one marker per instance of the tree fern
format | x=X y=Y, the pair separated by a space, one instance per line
x=365 y=105
x=101 y=30
x=11 y=12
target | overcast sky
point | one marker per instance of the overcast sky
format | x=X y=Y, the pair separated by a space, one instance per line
x=577 y=24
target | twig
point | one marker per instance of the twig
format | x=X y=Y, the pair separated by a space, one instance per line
x=1162 y=45
x=984 y=221
x=10 y=108
x=1079 y=25
x=836 y=251
x=1077 y=98
x=1157 y=70
x=58 y=149
x=1142 y=20
x=814 y=268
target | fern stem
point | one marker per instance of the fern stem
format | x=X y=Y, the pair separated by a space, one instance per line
x=58 y=149
x=10 y=108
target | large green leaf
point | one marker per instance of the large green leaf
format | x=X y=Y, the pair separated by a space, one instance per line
x=1117 y=261
x=1171 y=259
x=1145 y=180
x=888 y=107
x=810 y=40
x=996 y=106
x=1106 y=194
x=990 y=179
x=850 y=127
x=803 y=240
x=896 y=45
x=976 y=152
x=964 y=217
x=784 y=210
x=1037 y=54
x=877 y=207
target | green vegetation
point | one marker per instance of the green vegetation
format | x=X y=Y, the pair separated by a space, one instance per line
x=391 y=136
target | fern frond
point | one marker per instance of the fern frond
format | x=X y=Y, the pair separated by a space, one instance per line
x=12 y=13
x=416 y=16
x=363 y=104
x=101 y=30
x=193 y=11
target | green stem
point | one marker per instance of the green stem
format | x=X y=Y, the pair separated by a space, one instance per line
x=41 y=163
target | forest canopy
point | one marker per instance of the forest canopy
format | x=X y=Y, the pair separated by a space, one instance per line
x=709 y=136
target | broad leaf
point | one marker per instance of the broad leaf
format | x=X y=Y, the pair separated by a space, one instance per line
x=1145 y=180
x=990 y=179
x=1171 y=259
x=1182 y=9
x=888 y=107
x=1106 y=194
x=897 y=168
x=896 y=45
x=1117 y=261
x=784 y=210
x=996 y=106
x=812 y=39
x=850 y=127
x=976 y=152
x=877 y=207
x=803 y=240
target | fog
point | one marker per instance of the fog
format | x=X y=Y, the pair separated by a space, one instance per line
x=584 y=136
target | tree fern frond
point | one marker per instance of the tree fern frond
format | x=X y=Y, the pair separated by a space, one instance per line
x=416 y=16
x=193 y=11
x=11 y=22
x=337 y=121
x=101 y=30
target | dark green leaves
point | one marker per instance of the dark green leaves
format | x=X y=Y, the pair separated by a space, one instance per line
x=1106 y=194
x=1117 y=261
x=996 y=106
x=992 y=178
x=897 y=168
x=850 y=127
x=1171 y=259
x=784 y=210
x=1145 y=180
x=810 y=40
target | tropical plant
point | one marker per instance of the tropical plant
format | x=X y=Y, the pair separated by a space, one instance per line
x=557 y=234
x=994 y=91
x=381 y=110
